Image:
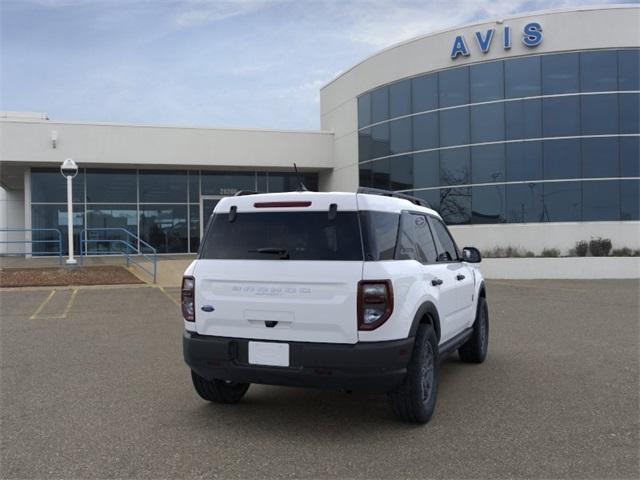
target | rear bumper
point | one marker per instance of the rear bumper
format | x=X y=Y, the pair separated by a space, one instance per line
x=370 y=367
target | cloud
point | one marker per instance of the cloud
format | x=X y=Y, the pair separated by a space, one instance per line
x=198 y=12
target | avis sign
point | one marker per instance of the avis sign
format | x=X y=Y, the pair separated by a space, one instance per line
x=531 y=37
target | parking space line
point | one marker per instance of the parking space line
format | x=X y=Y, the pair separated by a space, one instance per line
x=169 y=296
x=42 y=305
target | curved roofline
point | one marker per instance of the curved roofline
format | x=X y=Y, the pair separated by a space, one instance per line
x=612 y=6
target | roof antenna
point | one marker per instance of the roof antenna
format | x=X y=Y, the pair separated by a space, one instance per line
x=301 y=187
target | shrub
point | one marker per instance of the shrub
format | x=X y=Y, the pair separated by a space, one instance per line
x=581 y=249
x=625 y=252
x=507 y=252
x=550 y=252
x=600 y=247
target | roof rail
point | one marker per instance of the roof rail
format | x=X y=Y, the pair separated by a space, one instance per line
x=389 y=193
x=242 y=193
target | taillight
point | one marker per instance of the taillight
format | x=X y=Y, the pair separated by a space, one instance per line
x=375 y=303
x=188 y=299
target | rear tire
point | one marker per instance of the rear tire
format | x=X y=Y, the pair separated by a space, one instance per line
x=219 y=391
x=415 y=399
x=475 y=349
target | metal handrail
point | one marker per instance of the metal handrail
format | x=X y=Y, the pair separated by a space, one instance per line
x=149 y=256
x=32 y=241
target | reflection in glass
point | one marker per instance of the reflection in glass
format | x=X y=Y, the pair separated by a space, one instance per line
x=380 y=105
x=454 y=87
x=561 y=159
x=194 y=186
x=165 y=227
x=400 y=98
x=630 y=200
x=400 y=135
x=123 y=217
x=432 y=197
x=561 y=116
x=288 y=182
x=425 y=131
x=488 y=204
x=524 y=161
x=166 y=186
x=48 y=185
x=601 y=200
x=112 y=186
x=365 y=145
x=365 y=175
x=455 y=205
x=424 y=93
x=600 y=157
x=523 y=119
x=487 y=123
x=562 y=201
x=599 y=71
x=227 y=183
x=629 y=69
x=630 y=157
x=380 y=140
x=524 y=203
x=629 y=113
x=194 y=227
x=380 y=174
x=487 y=164
x=364 y=110
x=454 y=127
x=55 y=216
x=426 y=169
x=560 y=73
x=455 y=168
x=599 y=114
x=487 y=81
x=401 y=174
x=522 y=77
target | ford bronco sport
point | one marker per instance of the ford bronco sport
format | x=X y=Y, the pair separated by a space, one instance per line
x=358 y=291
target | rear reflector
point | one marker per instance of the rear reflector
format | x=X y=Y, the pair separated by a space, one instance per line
x=281 y=204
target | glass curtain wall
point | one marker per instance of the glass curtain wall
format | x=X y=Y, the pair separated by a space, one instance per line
x=162 y=207
x=541 y=138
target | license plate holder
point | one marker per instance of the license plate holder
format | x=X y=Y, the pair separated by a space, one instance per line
x=269 y=353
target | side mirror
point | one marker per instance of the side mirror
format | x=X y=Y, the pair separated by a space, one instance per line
x=471 y=255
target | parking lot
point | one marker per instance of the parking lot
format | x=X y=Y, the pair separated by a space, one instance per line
x=94 y=386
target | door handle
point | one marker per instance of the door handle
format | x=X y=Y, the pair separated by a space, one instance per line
x=436 y=281
x=460 y=277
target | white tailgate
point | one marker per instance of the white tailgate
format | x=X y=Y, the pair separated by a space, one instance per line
x=311 y=301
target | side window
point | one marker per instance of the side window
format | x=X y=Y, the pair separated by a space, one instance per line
x=447 y=250
x=415 y=240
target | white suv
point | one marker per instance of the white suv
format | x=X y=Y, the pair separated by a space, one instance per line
x=358 y=291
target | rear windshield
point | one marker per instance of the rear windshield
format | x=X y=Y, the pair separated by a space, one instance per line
x=283 y=236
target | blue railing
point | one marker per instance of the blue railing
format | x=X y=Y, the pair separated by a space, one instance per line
x=132 y=247
x=57 y=240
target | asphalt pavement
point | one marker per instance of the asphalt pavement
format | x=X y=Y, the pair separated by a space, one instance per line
x=93 y=385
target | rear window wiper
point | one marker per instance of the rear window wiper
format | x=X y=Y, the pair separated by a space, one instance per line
x=283 y=252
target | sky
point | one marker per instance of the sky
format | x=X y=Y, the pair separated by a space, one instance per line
x=219 y=63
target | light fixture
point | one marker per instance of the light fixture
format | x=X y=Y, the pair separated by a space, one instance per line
x=54 y=138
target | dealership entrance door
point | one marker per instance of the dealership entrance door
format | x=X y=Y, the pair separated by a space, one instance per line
x=207 y=204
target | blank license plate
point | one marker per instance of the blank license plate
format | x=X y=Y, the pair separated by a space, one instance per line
x=267 y=353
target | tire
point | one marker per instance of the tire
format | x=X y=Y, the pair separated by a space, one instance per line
x=415 y=399
x=475 y=349
x=219 y=391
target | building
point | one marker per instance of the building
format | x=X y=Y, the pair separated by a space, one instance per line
x=521 y=131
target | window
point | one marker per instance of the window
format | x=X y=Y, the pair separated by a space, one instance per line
x=454 y=87
x=599 y=114
x=425 y=131
x=400 y=135
x=487 y=164
x=415 y=241
x=599 y=71
x=380 y=105
x=48 y=185
x=562 y=201
x=227 y=183
x=365 y=145
x=380 y=174
x=630 y=157
x=455 y=205
x=629 y=203
x=561 y=116
x=380 y=140
x=424 y=93
x=55 y=216
x=365 y=175
x=629 y=113
x=561 y=159
x=629 y=69
x=163 y=186
x=487 y=81
x=112 y=186
x=488 y=204
x=401 y=172
x=194 y=186
x=523 y=119
x=455 y=167
x=194 y=227
x=165 y=227
x=426 y=169
x=380 y=231
x=600 y=157
x=524 y=161
x=447 y=249
x=522 y=77
x=487 y=123
x=301 y=236
x=560 y=73
x=524 y=203
x=601 y=200
x=400 y=99
x=364 y=110
x=432 y=197
x=124 y=218
x=454 y=127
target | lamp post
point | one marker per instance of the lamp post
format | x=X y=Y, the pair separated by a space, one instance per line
x=69 y=170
